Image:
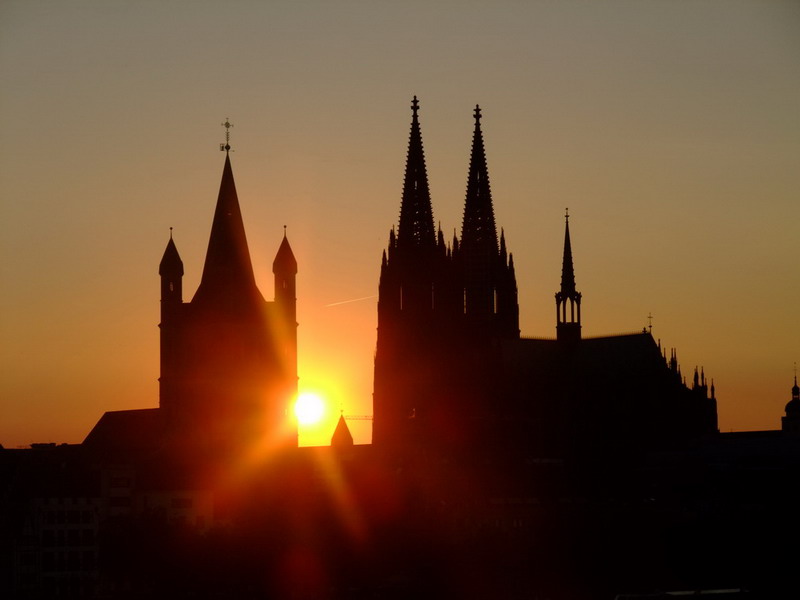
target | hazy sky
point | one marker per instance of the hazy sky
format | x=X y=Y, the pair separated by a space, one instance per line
x=671 y=130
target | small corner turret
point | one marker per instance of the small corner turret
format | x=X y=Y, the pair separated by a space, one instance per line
x=284 y=267
x=170 y=269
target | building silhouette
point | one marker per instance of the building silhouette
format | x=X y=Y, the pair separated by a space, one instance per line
x=228 y=357
x=452 y=373
x=791 y=421
x=502 y=466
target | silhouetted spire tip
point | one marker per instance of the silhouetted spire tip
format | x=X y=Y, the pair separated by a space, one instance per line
x=227 y=145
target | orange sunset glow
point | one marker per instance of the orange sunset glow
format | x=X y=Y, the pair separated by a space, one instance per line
x=341 y=300
x=669 y=129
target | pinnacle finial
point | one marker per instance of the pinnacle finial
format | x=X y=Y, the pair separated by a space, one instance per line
x=566 y=214
x=227 y=125
x=477 y=112
x=170 y=237
x=415 y=106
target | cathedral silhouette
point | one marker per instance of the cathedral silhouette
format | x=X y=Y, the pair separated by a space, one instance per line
x=501 y=466
x=453 y=375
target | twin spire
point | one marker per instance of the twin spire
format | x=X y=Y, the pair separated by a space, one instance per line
x=416 y=215
x=479 y=232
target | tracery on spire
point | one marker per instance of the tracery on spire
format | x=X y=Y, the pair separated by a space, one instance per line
x=416 y=215
x=479 y=232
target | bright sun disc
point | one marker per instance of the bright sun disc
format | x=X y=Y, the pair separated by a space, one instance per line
x=309 y=408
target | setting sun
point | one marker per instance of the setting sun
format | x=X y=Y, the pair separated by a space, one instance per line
x=309 y=408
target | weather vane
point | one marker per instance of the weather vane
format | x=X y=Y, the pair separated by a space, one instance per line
x=227 y=125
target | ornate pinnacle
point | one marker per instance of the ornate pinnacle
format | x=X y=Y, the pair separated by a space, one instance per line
x=227 y=125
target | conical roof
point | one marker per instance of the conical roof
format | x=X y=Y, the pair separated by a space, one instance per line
x=228 y=272
x=285 y=262
x=341 y=435
x=171 y=263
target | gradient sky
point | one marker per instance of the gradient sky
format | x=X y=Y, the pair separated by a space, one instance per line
x=671 y=130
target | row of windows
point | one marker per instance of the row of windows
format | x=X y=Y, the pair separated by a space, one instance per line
x=495 y=300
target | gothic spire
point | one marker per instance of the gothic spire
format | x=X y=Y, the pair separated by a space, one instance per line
x=568 y=299
x=567 y=269
x=478 y=232
x=416 y=215
x=227 y=272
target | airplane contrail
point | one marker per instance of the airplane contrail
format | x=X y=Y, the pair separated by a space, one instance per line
x=349 y=301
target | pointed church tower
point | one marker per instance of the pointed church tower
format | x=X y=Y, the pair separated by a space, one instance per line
x=171 y=272
x=568 y=299
x=416 y=298
x=490 y=288
x=228 y=357
x=407 y=276
x=284 y=268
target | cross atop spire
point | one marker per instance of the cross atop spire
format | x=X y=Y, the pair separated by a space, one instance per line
x=227 y=125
